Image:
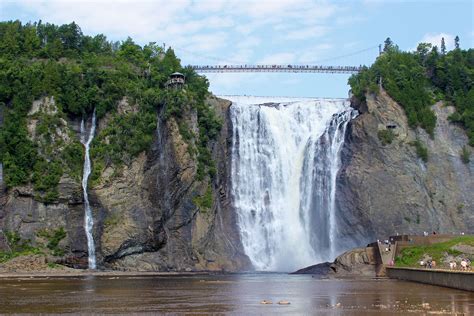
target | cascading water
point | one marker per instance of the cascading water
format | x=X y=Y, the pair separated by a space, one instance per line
x=88 y=220
x=285 y=161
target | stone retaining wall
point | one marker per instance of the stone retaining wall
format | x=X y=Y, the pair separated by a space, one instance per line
x=454 y=279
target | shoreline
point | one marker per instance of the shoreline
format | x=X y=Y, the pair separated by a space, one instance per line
x=103 y=273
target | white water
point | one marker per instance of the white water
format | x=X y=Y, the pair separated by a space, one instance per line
x=285 y=161
x=88 y=220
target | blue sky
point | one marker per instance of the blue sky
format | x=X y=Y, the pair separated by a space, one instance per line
x=264 y=31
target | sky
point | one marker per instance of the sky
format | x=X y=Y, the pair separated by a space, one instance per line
x=206 y=32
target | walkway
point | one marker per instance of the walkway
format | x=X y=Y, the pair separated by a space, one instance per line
x=278 y=68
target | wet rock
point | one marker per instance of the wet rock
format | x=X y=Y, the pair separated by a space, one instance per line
x=358 y=261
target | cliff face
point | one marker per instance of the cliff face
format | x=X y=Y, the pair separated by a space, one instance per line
x=388 y=189
x=150 y=217
x=146 y=215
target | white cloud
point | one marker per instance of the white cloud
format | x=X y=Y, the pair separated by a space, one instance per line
x=312 y=54
x=435 y=39
x=278 y=58
x=307 y=32
x=117 y=19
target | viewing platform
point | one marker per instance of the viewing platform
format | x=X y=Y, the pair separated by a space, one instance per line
x=437 y=274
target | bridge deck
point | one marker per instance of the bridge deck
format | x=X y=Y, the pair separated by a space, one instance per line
x=278 y=68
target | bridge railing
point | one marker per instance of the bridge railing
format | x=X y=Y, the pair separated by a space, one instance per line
x=277 y=68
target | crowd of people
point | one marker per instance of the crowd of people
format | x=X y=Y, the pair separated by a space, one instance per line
x=309 y=67
x=464 y=264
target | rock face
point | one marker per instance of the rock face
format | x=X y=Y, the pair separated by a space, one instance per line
x=388 y=189
x=146 y=215
x=355 y=262
x=150 y=218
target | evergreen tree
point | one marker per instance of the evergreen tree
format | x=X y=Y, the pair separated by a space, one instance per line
x=443 y=46
x=456 y=42
x=388 y=44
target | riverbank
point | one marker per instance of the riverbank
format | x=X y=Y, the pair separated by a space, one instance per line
x=37 y=266
x=95 y=273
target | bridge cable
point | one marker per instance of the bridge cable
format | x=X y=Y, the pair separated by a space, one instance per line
x=342 y=56
x=240 y=63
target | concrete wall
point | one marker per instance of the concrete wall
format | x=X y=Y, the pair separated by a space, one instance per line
x=453 y=279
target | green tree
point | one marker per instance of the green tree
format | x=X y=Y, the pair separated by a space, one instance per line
x=422 y=51
x=456 y=42
x=388 y=44
x=443 y=46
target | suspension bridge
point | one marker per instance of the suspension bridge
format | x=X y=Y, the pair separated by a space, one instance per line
x=277 y=68
x=320 y=66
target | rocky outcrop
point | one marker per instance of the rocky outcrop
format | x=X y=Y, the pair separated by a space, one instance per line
x=355 y=262
x=145 y=212
x=388 y=189
x=21 y=209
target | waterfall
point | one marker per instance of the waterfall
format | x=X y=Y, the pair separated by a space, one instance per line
x=285 y=160
x=88 y=220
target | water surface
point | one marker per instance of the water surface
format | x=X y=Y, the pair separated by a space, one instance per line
x=228 y=294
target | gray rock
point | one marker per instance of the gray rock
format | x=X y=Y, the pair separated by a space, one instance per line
x=384 y=190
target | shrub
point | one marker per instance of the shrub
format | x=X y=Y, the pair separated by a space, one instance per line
x=386 y=136
x=465 y=155
x=421 y=150
x=204 y=201
x=17 y=247
x=53 y=238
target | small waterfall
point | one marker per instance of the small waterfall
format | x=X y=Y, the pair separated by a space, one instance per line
x=285 y=161
x=320 y=197
x=88 y=220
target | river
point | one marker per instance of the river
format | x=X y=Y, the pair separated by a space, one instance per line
x=229 y=294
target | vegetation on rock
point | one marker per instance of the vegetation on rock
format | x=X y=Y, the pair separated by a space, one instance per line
x=83 y=73
x=47 y=242
x=416 y=79
x=465 y=155
x=204 y=202
x=421 y=150
x=386 y=136
x=16 y=246
x=53 y=238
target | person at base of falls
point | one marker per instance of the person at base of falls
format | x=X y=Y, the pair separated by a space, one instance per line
x=429 y=264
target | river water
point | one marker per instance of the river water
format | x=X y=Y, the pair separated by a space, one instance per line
x=229 y=294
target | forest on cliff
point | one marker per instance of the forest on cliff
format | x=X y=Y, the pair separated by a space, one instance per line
x=84 y=74
x=416 y=80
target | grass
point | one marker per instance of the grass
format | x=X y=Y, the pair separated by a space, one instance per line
x=411 y=256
